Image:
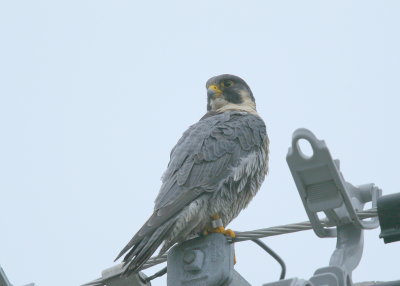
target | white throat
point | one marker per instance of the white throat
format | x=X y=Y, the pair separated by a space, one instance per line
x=222 y=106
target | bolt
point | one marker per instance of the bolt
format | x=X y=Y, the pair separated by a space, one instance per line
x=189 y=256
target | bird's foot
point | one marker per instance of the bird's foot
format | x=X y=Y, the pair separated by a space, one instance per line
x=217 y=227
x=220 y=229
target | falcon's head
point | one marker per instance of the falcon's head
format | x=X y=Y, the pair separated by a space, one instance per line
x=227 y=92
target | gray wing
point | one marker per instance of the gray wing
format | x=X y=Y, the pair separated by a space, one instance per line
x=207 y=151
x=204 y=155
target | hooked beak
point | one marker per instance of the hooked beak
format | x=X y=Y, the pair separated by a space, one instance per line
x=214 y=91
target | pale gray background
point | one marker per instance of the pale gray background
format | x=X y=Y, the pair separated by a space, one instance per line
x=94 y=94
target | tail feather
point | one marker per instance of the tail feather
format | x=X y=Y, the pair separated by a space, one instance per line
x=130 y=244
x=143 y=250
x=136 y=248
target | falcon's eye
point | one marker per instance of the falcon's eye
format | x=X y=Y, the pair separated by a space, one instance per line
x=227 y=83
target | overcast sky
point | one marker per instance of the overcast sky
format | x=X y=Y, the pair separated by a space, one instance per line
x=94 y=94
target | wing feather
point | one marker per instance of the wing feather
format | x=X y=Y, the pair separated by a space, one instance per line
x=205 y=153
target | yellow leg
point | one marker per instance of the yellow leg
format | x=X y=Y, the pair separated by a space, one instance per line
x=219 y=229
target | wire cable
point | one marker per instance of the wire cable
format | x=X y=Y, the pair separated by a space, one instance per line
x=242 y=236
x=274 y=255
x=265 y=232
x=156 y=275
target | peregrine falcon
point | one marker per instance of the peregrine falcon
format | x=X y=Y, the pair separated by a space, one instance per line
x=215 y=169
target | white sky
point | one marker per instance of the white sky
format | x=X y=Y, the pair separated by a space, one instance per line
x=94 y=94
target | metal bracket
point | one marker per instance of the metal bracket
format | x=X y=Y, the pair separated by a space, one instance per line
x=4 y=280
x=389 y=217
x=113 y=276
x=290 y=282
x=205 y=261
x=323 y=189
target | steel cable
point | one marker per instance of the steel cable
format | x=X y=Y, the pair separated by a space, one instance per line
x=266 y=232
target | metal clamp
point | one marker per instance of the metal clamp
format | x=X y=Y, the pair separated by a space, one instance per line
x=322 y=187
x=206 y=261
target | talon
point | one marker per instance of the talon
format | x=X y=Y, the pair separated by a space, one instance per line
x=230 y=232
x=222 y=230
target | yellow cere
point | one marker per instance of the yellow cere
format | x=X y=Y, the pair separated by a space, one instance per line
x=215 y=88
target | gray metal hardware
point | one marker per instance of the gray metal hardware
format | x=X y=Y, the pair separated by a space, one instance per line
x=290 y=282
x=389 y=217
x=323 y=189
x=4 y=280
x=113 y=277
x=205 y=261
